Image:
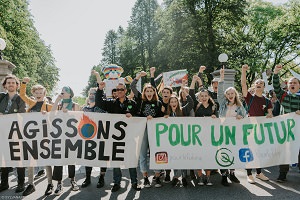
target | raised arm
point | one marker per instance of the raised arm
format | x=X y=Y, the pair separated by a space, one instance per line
x=243 y=80
x=200 y=75
x=23 y=94
x=276 y=84
x=98 y=77
x=220 y=94
x=133 y=88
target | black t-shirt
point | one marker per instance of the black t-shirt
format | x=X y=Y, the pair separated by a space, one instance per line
x=37 y=107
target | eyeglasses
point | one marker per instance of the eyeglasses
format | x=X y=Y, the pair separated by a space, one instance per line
x=120 y=89
x=62 y=93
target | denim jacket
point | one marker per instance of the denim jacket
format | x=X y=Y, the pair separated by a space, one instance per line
x=223 y=103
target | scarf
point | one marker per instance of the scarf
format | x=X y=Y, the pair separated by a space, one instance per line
x=69 y=102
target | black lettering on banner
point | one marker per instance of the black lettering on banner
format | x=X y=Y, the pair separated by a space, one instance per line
x=32 y=149
x=122 y=131
x=45 y=130
x=69 y=145
x=32 y=131
x=101 y=130
x=101 y=151
x=115 y=150
x=56 y=149
x=15 y=127
x=55 y=125
x=44 y=147
x=89 y=153
x=70 y=125
x=13 y=150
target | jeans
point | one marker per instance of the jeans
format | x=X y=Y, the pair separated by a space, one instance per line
x=143 y=154
x=117 y=175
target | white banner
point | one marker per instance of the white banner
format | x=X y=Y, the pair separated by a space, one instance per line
x=174 y=78
x=207 y=143
x=57 y=138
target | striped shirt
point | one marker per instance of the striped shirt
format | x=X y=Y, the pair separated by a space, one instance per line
x=290 y=102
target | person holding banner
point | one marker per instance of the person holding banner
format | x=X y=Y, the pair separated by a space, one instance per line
x=290 y=102
x=205 y=107
x=229 y=106
x=10 y=102
x=175 y=110
x=121 y=105
x=257 y=105
x=150 y=107
x=38 y=104
x=64 y=102
x=166 y=93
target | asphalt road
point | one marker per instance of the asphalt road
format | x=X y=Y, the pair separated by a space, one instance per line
x=261 y=190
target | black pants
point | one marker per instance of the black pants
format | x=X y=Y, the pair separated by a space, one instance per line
x=20 y=172
x=58 y=172
x=88 y=170
x=249 y=171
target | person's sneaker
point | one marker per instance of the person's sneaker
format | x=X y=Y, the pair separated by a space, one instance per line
x=86 y=182
x=201 y=182
x=184 y=182
x=146 y=182
x=157 y=182
x=3 y=187
x=30 y=189
x=224 y=180
x=250 y=179
x=100 y=183
x=115 y=187
x=208 y=181
x=39 y=174
x=167 y=178
x=49 y=189
x=20 y=187
x=74 y=186
x=262 y=177
x=58 y=189
x=233 y=178
x=136 y=187
x=281 y=178
x=175 y=181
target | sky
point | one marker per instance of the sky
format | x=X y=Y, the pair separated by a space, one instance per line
x=75 y=31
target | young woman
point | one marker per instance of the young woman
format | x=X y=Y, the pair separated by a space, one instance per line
x=230 y=106
x=204 y=107
x=175 y=110
x=64 y=102
x=38 y=104
x=150 y=107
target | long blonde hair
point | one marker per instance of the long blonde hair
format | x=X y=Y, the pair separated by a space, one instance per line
x=237 y=100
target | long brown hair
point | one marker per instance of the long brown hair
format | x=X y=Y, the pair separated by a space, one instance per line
x=178 y=110
x=154 y=98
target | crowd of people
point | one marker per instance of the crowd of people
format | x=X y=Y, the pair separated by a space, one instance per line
x=191 y=101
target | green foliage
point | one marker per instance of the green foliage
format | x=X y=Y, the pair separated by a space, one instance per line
x=24 y=47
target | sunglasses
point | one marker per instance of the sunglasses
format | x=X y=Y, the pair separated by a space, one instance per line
x=120 y=89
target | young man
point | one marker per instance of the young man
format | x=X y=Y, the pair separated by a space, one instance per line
x=290 y=102
x=10 y=102
x=257 y=106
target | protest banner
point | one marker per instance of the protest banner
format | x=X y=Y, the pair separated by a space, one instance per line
x=82 y=138
x=174 y=78
x=207 y=143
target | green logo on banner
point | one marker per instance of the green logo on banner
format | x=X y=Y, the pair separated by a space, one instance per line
x=224 y=157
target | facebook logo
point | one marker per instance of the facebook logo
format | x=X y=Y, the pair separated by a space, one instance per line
x=246 y=155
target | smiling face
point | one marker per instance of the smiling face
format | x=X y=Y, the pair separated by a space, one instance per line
x=11 y=85
x=173 y=103
x=39 y=94
x=230 y=95
x=259 y=85
x=293 y=85
x=203 y=96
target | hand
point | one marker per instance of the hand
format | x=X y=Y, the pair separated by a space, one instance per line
x=143 y=73
x=214 y=116
x=222 y=71
x=101 y=85
x=239 y=117
x=65 y=110
x=269 y=115
x=195 y=78
x=149 y=117
x=26 y=79
x=152 y=69
x=94 y=72
x=128 y=115
x=163 y=109
x=201 y=69
x=44 y=112
x=277 y=69
x=245 y=67
x=166 y=116
x=298 y=112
